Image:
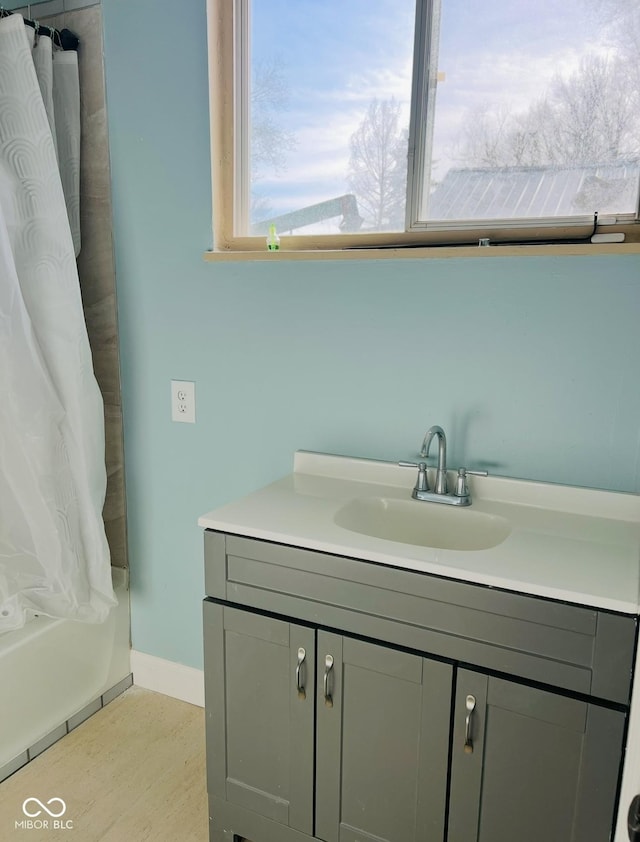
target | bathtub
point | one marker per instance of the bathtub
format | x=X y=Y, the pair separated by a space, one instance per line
x=55 y=673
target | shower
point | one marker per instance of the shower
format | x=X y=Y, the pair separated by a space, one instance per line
x=59 y=619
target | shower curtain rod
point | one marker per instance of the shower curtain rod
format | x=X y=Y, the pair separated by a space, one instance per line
x=63 y=38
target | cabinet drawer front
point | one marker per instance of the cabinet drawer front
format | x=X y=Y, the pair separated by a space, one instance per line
x=579 y=649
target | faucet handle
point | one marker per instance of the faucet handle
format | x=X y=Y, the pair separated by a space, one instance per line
x=461 y=482
x=422 y=484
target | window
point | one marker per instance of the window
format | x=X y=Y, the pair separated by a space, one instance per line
x=350 y=123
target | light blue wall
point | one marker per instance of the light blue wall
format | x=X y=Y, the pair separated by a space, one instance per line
x=530 y=364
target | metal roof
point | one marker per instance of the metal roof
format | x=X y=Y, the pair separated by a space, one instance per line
x=521 y=192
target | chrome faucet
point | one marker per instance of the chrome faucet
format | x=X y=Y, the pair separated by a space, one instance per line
x=460 y=496
x=441 y=473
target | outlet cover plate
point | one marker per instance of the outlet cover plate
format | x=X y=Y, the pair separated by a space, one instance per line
x=183 y=401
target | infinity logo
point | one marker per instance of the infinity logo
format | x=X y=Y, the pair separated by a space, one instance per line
x=44 y=807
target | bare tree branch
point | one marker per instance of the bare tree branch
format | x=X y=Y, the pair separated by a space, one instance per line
x=378 y=166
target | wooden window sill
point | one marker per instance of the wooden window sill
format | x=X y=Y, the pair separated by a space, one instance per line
x=447 y=252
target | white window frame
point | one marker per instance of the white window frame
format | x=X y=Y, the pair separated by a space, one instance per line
x=228 y=37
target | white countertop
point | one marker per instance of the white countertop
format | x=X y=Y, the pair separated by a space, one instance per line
x=573 y=544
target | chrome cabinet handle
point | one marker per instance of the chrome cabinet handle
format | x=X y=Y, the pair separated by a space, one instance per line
x=302 y=693
x=468 y=742
x=328 y=668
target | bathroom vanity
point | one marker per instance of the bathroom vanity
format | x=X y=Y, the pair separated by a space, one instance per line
x=473 y=682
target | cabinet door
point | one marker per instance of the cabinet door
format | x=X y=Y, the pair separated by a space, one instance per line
x=382 y=746
x=531 y=765
x=260 y=728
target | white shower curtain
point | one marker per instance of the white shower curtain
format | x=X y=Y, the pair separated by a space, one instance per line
x=54 y=557
x=58 y=79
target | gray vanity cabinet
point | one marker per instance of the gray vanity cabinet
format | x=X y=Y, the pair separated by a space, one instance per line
x=382 y=743
x=351 y=702
x=531 y=765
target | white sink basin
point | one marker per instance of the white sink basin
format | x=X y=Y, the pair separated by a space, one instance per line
x=577 y=545
x=423 y=524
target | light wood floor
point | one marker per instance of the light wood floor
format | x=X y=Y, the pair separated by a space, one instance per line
x=134 y=771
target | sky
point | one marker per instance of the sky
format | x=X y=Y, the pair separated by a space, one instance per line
x=335 y=56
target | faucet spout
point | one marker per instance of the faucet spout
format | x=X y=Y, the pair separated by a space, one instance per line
x=441 y=473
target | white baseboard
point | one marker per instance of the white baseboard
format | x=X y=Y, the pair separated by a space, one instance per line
x=168 y=677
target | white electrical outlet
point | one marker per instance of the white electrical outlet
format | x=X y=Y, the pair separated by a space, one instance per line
x=183 y=401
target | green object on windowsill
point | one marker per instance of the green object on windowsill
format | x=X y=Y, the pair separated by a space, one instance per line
x=273 y=240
